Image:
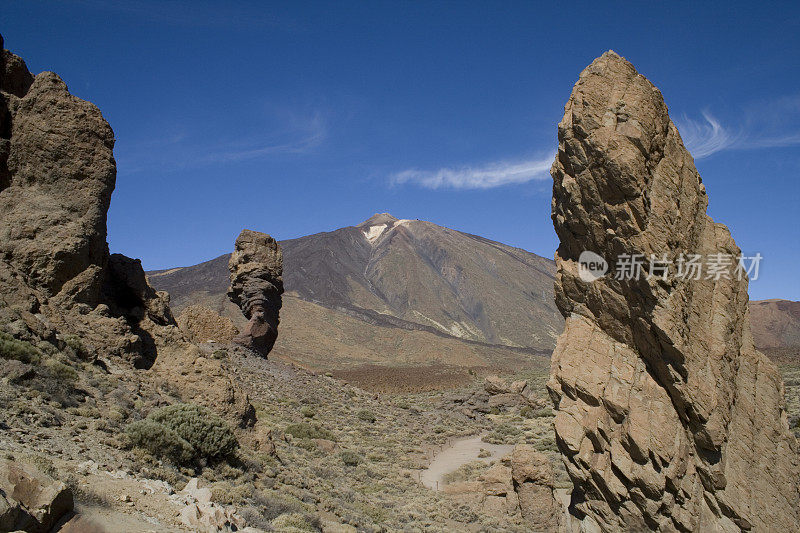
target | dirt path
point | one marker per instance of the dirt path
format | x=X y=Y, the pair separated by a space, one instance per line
x=462 y=451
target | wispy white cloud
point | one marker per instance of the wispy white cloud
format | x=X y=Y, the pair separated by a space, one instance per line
x=705 y=137
x=766 y=125
x=485 y=176
x=306 y=135
x=286 y=134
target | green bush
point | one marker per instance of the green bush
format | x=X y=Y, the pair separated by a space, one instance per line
x=160 y=441
x=207 y=433
x=183 y=433
x=308 y=411
x=308 y=431
x=526 y=412
x=366 y=416
x=11 y=348
x=350 y=458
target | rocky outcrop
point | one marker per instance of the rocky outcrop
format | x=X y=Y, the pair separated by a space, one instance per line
x=58 y=282
x=57 y=173
x=256 y=268
x=667 y=417
x=534 y=483
x=30 y=500
x=202 y=324
x=201 y=514
x=521 y=483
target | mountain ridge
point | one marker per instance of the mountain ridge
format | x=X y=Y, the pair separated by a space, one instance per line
x=371 y=274
x=395 y=292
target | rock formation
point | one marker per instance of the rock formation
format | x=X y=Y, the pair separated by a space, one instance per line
x=256 y=267
x=57 y=173
x=667 y=417
x=57 y=278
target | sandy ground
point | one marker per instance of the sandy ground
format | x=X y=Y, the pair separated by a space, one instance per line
x=461 y=451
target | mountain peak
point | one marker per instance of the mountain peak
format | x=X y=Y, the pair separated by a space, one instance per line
x=378 y=218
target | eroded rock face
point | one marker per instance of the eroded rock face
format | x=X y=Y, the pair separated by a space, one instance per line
x=667 y=417
x=256 y=267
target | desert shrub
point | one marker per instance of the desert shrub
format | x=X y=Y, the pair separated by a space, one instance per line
x=206 y=432
x=60 y=371
x=271 y=505
x=55 y=381
x=228 y=494
x=526 y=411
x=11 y=348
x=503 y=434
x=183 y=433
x=543 y=413
x=74 y=342
x=292 y=522
x=465 y=472
x=350 y=458
x=366 y=416
x=219 y=354
x=308 y=431
x=547 y=444
x=307 y=444
x=308 y=411
x=160 y=441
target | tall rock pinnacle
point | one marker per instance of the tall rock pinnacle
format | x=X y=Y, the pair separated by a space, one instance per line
x=256 y=268
x=667 y=417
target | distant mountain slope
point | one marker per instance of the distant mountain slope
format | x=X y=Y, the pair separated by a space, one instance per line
x=402 y=274
x=776 y=327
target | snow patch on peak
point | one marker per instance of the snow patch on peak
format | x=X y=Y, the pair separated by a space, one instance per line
x=373 y=232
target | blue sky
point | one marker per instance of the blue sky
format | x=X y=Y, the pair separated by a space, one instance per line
x=299 y=117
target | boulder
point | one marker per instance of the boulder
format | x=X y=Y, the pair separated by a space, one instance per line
x=495 y=385
x=57 y=277
x=201 y=514
x=326 y=446
x=667 y=418
x=256 y=268
x=534 y=483
x=202 y=324
x=30 y=500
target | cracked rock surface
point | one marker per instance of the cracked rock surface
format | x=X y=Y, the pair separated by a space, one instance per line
x=668 y=419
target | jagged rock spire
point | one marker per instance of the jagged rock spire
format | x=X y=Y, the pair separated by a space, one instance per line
x=667 y=417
